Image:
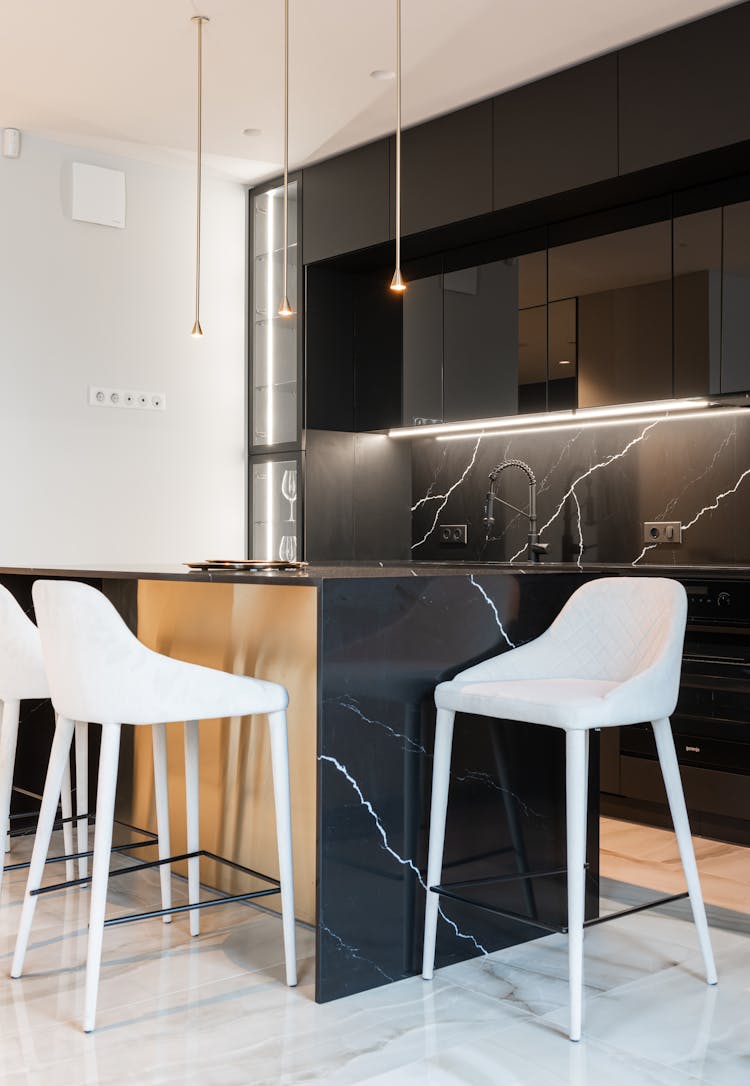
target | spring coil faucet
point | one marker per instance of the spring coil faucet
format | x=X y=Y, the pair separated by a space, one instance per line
x=534 y=549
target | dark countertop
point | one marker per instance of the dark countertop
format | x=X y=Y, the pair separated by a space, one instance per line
x=315 y=574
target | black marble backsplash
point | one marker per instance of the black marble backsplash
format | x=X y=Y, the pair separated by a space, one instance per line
x=596 y=487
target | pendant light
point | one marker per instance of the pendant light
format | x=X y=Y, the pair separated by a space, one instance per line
x=397 y=282
x=197 y=331
x=285 y=309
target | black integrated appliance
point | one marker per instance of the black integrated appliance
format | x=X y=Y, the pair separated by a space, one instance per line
x=712 y=721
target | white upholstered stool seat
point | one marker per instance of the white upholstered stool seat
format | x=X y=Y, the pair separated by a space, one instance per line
x=22 y=676
x=99 y=671
x=611 y=657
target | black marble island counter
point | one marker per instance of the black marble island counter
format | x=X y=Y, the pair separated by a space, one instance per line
x=361 y=648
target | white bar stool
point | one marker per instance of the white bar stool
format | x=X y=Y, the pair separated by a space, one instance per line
x=611 y=657
x=22 y=676
x=99 y=671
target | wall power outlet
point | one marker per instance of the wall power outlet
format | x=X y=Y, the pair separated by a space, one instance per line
x=128 y=398
x=455 y=534
x=662 y=531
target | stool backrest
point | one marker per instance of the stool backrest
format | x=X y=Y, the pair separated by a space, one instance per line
x=614 y=628
x=611 y=628
x=92 y=658
x=22 y=672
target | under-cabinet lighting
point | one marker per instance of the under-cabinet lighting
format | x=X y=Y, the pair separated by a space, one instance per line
x=550 y=418
x=590 y=423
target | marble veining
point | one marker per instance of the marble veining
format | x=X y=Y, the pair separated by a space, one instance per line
x=491 y=603
x=597 y=487
x=571 y=491
x=444 y=498
x=405 y=861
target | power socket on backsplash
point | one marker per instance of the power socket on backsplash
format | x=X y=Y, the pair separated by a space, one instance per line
x=454 y=534
x=662 y=531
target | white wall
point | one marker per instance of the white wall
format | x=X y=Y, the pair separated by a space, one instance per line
x=82 y=304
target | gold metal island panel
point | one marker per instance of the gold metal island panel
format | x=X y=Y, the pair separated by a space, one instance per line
x=269 y=632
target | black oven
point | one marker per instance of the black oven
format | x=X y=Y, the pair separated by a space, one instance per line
x=712 y=721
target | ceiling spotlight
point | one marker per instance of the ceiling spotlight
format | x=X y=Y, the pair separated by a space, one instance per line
x=382 y=74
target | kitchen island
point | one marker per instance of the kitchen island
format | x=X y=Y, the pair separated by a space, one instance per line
x=360 y=649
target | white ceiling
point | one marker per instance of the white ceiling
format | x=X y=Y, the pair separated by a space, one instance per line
x=119 y=76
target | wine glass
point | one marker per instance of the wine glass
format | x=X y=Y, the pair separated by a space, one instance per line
x=289 y=490
x=288 y=548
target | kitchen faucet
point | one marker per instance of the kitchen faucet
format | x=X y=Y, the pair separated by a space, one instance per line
x=534 y=548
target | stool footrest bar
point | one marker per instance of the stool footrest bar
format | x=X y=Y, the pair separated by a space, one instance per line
x=148 y=864
x=491 y=879
x=187 y=908
x=495 y=909
x=635 y=909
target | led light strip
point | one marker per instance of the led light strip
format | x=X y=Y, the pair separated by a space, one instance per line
x=716 y=412
x=549 y=419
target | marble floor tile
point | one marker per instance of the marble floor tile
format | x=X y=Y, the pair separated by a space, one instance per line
x=214 y=1011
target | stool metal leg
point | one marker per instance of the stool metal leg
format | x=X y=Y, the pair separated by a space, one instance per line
x=59 y=758
x=576 y=788
x=673 y=784
x=282 y=801
x=441 y=768
x=193 y=819
x=82 y=794
x=161 y=797
x=105 y=811
x=8 y=739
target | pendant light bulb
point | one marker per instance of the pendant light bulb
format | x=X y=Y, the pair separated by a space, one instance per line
x=199 y=20
x=285 y=309
x=397 y=282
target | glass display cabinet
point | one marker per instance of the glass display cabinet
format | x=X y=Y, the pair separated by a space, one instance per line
x=276 y=504
x=276 y=383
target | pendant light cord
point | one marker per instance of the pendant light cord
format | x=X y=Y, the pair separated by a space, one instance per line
x=200 y=20
x=398 y=135
x=397 y=282
x=286 y=143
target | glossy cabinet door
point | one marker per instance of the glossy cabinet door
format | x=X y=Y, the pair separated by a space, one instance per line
x=735 y=290
x=275 y=369
x=621 y=284
x=697 y=258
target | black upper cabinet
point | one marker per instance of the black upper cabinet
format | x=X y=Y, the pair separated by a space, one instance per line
x=346 y=203
x=622 y=287
x=697 y=302
x=446 y=170
x=685 y=92
x=557 y=134
x=735 y=325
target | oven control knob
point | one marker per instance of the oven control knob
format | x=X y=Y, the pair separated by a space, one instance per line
x=723 y=599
